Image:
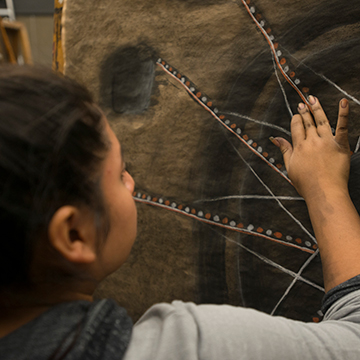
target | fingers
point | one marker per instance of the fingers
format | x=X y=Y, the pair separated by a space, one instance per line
x=303 y=125
x=297 y=129
x=285 y=148
x=307 y=119
x=341 y=133
x=322 y=122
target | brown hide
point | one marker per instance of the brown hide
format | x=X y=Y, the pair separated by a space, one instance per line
x=194 y=89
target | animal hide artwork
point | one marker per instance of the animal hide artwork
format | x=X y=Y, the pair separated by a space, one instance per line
x=193 y=89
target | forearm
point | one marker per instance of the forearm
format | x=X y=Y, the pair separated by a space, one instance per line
x=337 y=229
x=318 y=164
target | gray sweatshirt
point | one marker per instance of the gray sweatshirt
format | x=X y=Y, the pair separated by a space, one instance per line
x=102 y=330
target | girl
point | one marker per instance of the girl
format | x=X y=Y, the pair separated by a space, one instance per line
x=68 y=220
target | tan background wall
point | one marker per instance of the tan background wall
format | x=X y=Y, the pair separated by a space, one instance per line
x=40 y=29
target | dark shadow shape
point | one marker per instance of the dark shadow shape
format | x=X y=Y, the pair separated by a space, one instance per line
x=127 y=79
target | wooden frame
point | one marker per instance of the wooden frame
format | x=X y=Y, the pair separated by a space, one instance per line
x=16 y=41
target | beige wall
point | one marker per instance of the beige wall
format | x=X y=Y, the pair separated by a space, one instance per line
x=40 y=29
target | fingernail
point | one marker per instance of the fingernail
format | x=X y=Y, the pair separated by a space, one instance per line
x=344 y=103
x=312 y=100
x=274 y=141
x=301 y=106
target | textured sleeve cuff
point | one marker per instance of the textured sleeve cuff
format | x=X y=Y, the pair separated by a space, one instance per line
x=339 y=291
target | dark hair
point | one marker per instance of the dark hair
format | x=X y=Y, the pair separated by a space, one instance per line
x=52 y=144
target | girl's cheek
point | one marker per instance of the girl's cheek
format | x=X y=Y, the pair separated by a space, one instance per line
x=129 y=182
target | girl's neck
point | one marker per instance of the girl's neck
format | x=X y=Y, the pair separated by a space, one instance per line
x=18 y=306
x=14 y=318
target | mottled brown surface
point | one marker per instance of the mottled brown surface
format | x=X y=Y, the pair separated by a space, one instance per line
x=177 y=150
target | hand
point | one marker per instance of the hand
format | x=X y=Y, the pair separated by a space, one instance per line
x=317 y=162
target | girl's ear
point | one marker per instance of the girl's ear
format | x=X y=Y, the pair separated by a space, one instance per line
x=72 y=233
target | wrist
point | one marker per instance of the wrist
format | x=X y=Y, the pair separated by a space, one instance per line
x=326 y=194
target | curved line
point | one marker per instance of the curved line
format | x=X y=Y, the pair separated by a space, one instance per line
x=278 y=201
x=257 y=121
x=252 y=197
x=276 y=57
x=227 y=127
x=302 y=62
x=307 y=262
x=281 y=87
x=336 y=86
x=357 y=145
x=228 y=227
x=276 y=265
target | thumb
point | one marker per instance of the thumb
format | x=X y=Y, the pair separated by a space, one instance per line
x=285 y=148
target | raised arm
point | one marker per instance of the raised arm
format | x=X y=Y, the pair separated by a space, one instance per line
x=318 y=165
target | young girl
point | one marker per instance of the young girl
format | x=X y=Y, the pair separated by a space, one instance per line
x=68 y=220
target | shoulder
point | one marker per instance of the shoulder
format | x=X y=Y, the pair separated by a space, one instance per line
x=189 y=331
x=80 y=329
x=345 y=308
x=105 y=329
